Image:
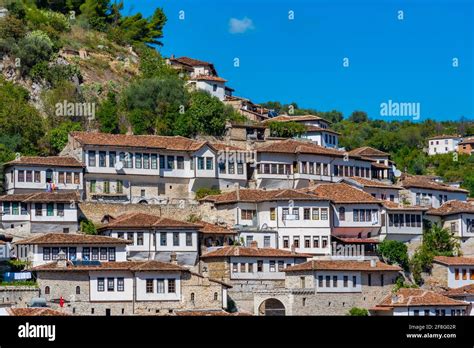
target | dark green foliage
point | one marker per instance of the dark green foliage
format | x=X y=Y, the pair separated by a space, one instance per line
x=59 y=134
x=394 y=252
x=286 y=129
x=55 y=74
x=205 y=191
x=88 y=227
x=358 y=312
x=107 y=115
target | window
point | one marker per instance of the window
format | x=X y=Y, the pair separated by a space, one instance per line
x=296 y=213
x=149 y=286
x=180 y=162
x=119 y=187
x=286 y=242
x=302 y=282
x=120 y=284
x=170 y=162
x=315 y=214
x=354 y=281
x=163 y=239
x=266 y=241
x=100 y=284
x=235 y=267
x=259 y=266
x=464 y=274
x=324 y=213
x=192 y=297
x=60 y=209
x=110 y=284
x=46 y=254
x=418 y=221
x=95 y=254
x=171 y=286
x=112 y=156
x=209 y=163
x=138 y=160
x=246 y=214
x=285 y=212
x=240 y=168
x=29 y=176
x=103 y=254
x=345 y=281
x=324 y=242
x=328 y=281
x=334 y=281
x=242 y=267
x=162 y=162
x=78 y=290
x=47 y=290
x=15 y=208
x=86 y=254
x=91 y=158
x=72 y=253
x=50 y=209
x=307 y=242
x=140 y=238
x=175 y=238
x=250 y=267
x=160 y=286
x=272 y=214
x=320 y=281
x=416 y=312
x=231 y=167
x=216 y=296
x=315 y=242
x=189 y=239
x=112 y=254
x=92 y=186
x=381 y=280
x=272 y=266
x=306 y=213
x=6 y=208
x=201 y=163
x=24 y=209
x=281 y=265
x=102 y=158
x=248 y=240
x=342 y=214
x=296 y=242
x=130 y=236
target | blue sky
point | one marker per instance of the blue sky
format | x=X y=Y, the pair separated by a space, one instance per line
x=301 y=60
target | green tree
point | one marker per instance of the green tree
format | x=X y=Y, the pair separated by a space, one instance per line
x=394 y=252
x=34 y=48
x=107 y=115
x=358 y=312
x=286 y=129
x=59 y=135
x=358 y=117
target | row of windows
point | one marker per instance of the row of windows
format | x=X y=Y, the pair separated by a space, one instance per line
x=309 y=242
x=248 y=267
x=229 y=167
x=160 y=285
x=330 y=139
x=340 y=170
x=35 y=176
x=314 y=168
x=106 y=187
x=462 y=273
x=325 y=281
x=162 y=235
x=111 y=283
x=441 y=312
x=358 y=215
x=16 y=208
x=404 y=220
x=96 y=254
x=266 y=241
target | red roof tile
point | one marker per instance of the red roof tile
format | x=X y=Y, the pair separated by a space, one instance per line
x=368 y=151
x=454 y=260
x=142 y=220
x=444 y=136
x=373 y=183
x=51 y=161
x=229 y=251
x=253 y=195
x=295 y=118
x=62 y=197
x=208 y=228
x=467 y=290
x=342 y=265
x=408 y=297
x=71 y=238
x=132 y=266
x=209 y=78
x=423 y=182
x=341 y=193
x=452 y=207
x=34 y=312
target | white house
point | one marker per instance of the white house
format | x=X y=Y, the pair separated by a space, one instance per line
x=377 y=188
x=402 y=222
x=283 y=219
x=4 y=250
x=77 y=248
x=153 y=169
x=464 y=293
x=422 y=190
x=419 y=302
x=155 y=238
x=383 y=168
x=38 y=174
x=442 y=144
x=457 y=271
x=42 y=212
x=317 y=129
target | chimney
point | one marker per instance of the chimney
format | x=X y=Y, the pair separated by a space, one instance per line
x=254 y=244
x=394 y=299
x=62 y=262
x=173 y=258
x=373 y=263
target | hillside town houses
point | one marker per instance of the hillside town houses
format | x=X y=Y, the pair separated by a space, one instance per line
x=248 y=223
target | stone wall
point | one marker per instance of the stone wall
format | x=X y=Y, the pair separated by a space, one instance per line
x=17 y=296
x=438 y=276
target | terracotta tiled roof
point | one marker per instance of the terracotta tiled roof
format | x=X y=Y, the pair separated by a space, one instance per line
x=407 y=297
x=172 y=143
x=209 y=228
x=469 y=140
x=142 y=220
x=71 y=238
x=311 y=128
x=444 y=136
x=209 y=78
x=453 y=207
x=132 y=266
x=467 y=290
x=253 y=195
x=225 y=147
x=373 y=183
x=342 y=265
x=299 y=146
x=423 y=182
x=51 y=161
x=341 y=193
x=398 y=206
x=295 y=118
x=210 y=313
x=368 y=151
x=234 y=250
x=357 y=240
x=62 y=197
x=454 y=260
x=34 y=312
x=191 y=61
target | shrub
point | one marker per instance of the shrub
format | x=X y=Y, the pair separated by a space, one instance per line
x=34 y=48
x=205 y=191
x=394 y=252
x=286 y=129
x=88 y=227
x=358 y=312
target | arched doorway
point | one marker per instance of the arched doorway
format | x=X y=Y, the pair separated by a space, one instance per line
x=271 y=307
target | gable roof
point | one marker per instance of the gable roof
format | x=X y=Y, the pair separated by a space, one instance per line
x=61 y=197
x=258 y=195
x=466 y=290
x=400 y=206
x=370 y=183
x=452 y=207
x=444 y=136
x=142 y=220
x=295 y=118
x=208 y=228
x=234 y=250
x=469 y=140
x=171 y=143
x=50 y=161
x=341 y=193
x=208 y=78
x=419 y=181
x=342 y=265
x=71 y=238
x=454 y=260
x=368 y=152
x=151 y=265
x=407 y=297
x=34 y=312
x=194 y=63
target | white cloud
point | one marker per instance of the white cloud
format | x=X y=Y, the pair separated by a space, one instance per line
x=239 y=26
